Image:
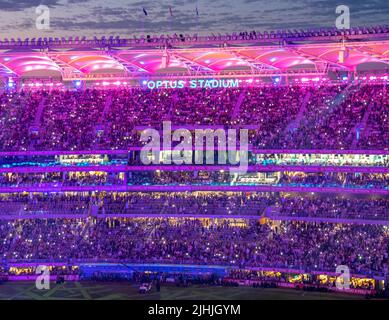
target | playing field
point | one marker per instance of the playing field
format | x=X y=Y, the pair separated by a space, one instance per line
x=126 y=291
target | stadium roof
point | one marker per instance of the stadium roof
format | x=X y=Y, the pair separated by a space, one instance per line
x=207 y=56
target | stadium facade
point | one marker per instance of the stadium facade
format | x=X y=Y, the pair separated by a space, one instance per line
x=310 y=55
x=74 y=193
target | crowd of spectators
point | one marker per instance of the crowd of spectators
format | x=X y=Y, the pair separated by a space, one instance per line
x=17 y=113
x=194 y=178
x=306 y=246
x=336 y=207
x=223 y=204
x=297 y=117
x=196 y=203
x=347 y=180
x=376 y=131
x=36 y=204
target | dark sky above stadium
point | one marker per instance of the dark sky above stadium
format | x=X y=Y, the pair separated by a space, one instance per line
x=126 y=17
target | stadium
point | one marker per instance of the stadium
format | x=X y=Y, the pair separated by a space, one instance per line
x=75 y=195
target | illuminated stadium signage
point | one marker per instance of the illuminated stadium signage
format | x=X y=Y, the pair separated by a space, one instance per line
x=82 y=159
x=193 y=84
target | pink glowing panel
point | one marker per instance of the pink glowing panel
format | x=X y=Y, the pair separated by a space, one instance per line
x=289 y=62
x=376 y=48
x=232 y=63
x=255 y=53
x=147 y=62
x=355 y=60
x=352 y=56
x=89 y=62
x=26 y=63
x=275 y=57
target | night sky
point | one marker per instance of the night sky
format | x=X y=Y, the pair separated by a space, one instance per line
x=126 y=17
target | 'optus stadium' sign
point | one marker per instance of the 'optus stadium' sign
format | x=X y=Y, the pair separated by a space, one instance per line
x=193 y=84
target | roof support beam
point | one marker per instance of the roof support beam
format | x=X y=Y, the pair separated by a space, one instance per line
x=9 y=69
x=252 y=62
x=125 y=63
x=66 y=68
x=192 y=62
